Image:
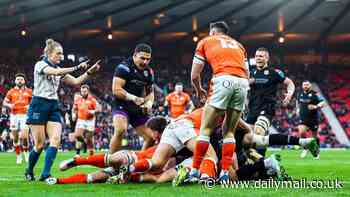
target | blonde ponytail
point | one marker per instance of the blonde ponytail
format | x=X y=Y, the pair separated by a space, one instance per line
x=50 y=46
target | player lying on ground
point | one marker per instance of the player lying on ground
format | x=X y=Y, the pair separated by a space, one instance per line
x=179 y=134
x=111 y=175
x=117 y=159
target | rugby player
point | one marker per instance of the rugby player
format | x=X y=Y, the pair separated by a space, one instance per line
x=134 y=95
x=264 y=82
x=178 y=101
x=308 y=104
x=112 y=162
x=84 y=108
x=227 y=93
x=17 y=100
x=179 y=134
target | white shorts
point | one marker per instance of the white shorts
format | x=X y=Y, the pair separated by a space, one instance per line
x=177 y=133
x=18 y=122
x=88 y=125
x=228 y=92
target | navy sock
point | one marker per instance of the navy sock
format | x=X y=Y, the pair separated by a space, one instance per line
x=280 y=139
x=247 y=172
x=33 y=159
x=261 y=150
x=50 y=156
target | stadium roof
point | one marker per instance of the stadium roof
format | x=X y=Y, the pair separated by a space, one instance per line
x=300 y=22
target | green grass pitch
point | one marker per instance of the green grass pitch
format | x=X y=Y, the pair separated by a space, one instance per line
x=334 y=164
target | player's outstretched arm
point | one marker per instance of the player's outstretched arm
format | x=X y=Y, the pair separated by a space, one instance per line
x=69 y=79
x=63 y=71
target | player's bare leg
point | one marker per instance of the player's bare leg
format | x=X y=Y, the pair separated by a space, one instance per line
x=261 y=127
x=24 y=141
x=146 y=133
x=302 y=133
x=38 y=132
x=120 y=124
x=90 y=142
x=209 y=117
x=118 y=159
x=79 y=139
x=16 y=145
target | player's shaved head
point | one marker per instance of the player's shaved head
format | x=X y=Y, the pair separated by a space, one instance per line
x=262 y=57
x=220 y=27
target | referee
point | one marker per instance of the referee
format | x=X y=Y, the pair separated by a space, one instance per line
x=43 y=114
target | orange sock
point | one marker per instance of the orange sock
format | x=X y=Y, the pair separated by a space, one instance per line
x=77 y=178
x=142 y=165
x=200 y=150
x=228 y=148
x=91 y=152
x=94 y=160
x=18 y=149
x=208 y=167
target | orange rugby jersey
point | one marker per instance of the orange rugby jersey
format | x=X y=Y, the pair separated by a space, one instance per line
x=146 y=154
x=84 y=105
x=20 y=98
x=225 y=55
x=177 y=103
x=196 y=118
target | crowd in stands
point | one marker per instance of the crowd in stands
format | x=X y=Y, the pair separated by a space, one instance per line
x=286 y=120
x=338 y=89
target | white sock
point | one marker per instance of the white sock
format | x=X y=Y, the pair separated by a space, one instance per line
x=260 y=140
x=89 y=178
x=267 y=163
x=304 y=141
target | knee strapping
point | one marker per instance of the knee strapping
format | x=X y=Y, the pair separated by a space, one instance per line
x=263 y=123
